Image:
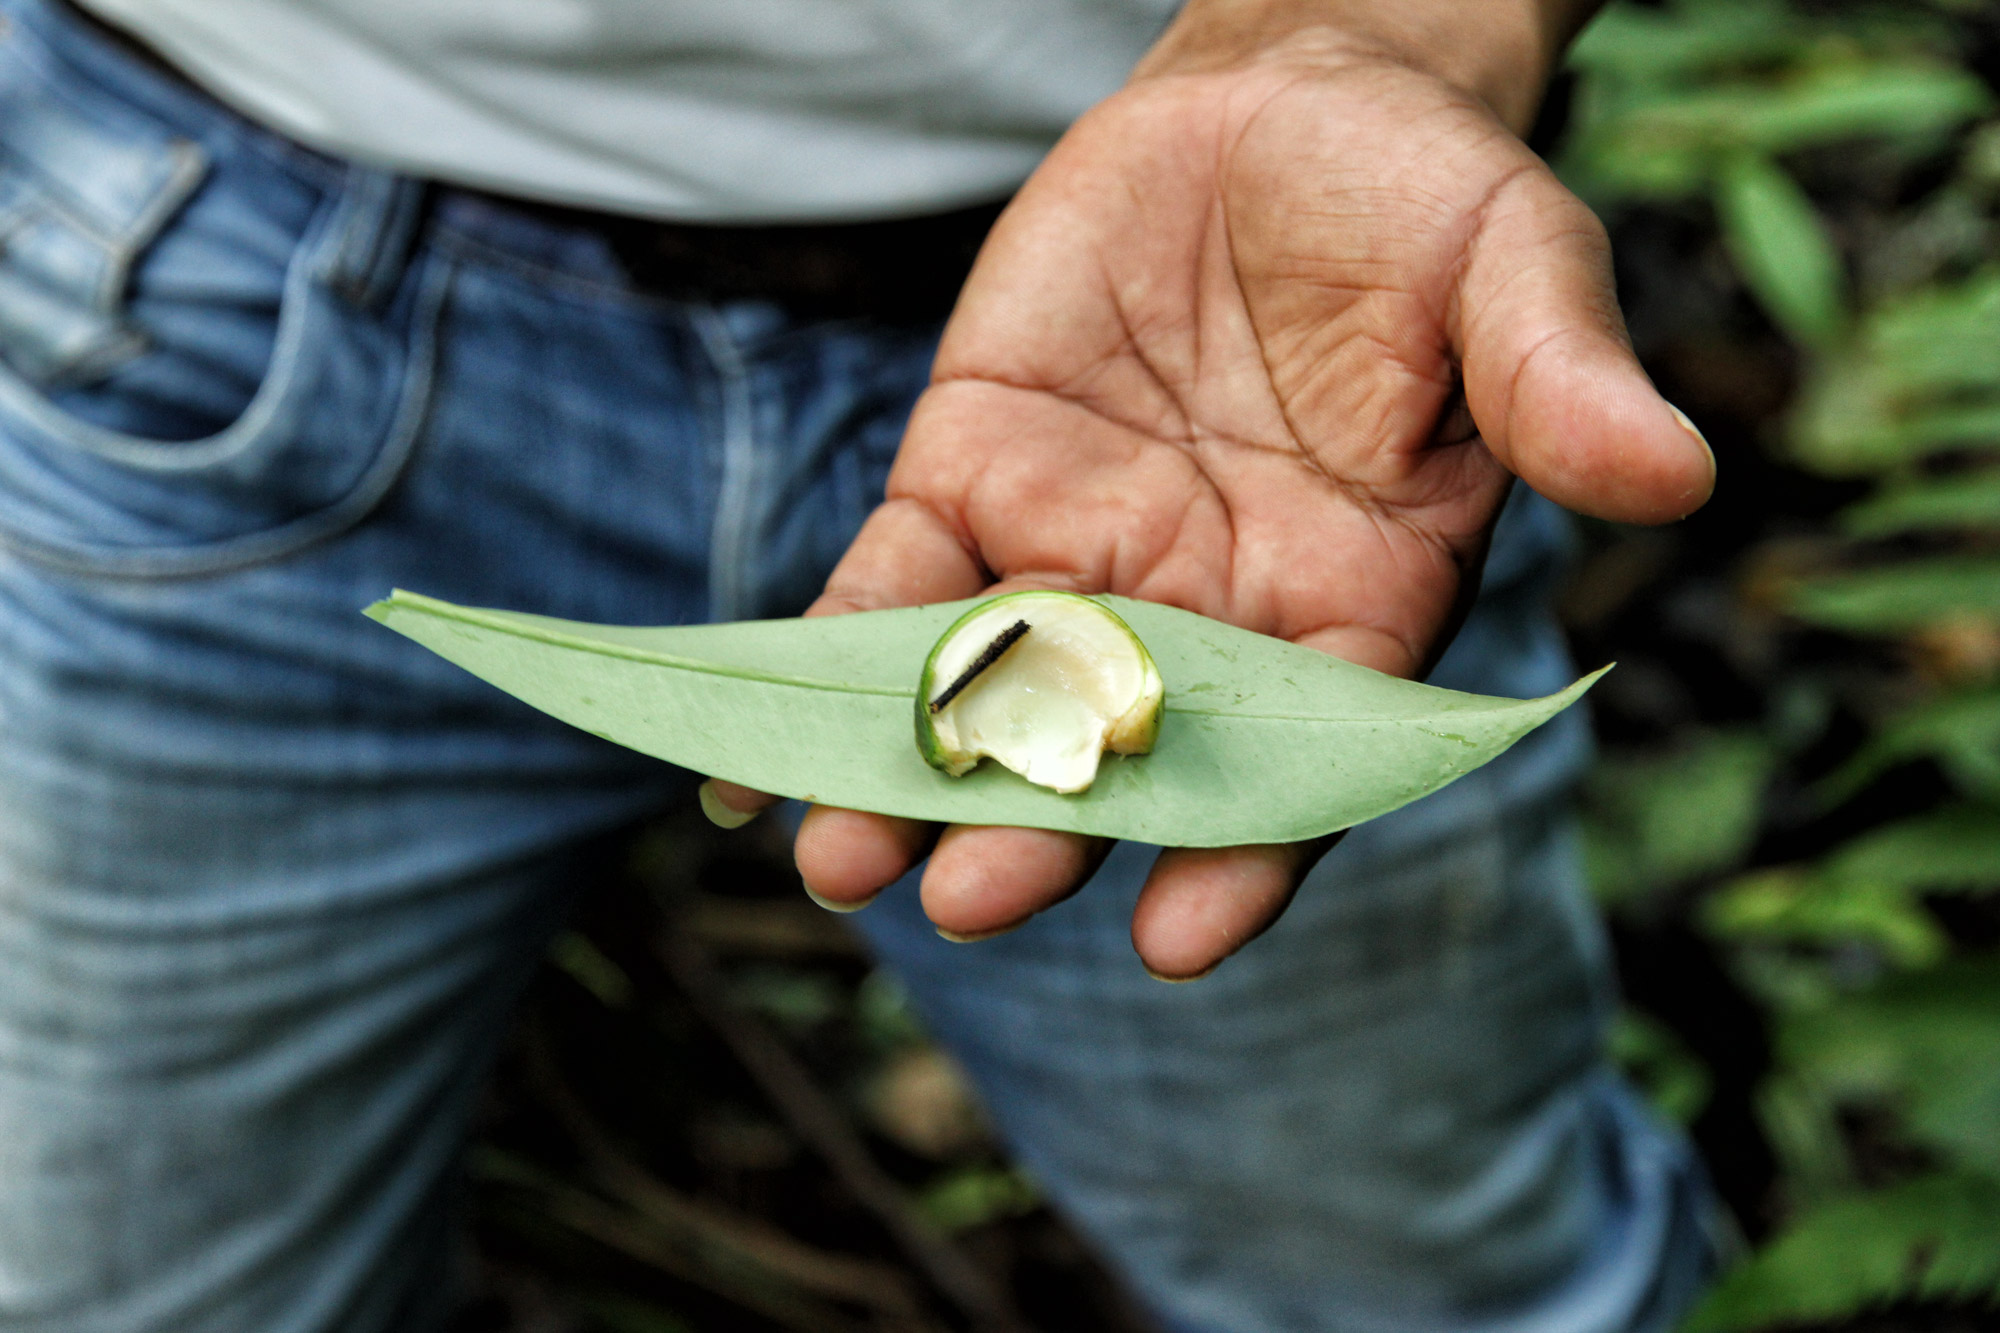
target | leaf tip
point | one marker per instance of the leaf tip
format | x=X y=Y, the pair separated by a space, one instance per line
x=1575 y=690
x=398 y=600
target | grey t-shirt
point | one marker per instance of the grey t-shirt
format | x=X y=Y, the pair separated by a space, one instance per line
x=718 y=110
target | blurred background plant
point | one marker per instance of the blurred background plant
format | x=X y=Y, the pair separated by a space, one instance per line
x=1796 y=821
x=715 y=1115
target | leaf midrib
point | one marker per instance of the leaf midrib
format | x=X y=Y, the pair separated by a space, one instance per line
x=418 y=603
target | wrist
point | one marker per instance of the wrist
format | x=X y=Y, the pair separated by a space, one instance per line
x=1502 y=52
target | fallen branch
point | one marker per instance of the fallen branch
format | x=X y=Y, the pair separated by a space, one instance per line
x=820 y=1122
x=709 y=1232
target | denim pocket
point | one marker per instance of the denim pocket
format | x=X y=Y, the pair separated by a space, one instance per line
x=79 y=199
x=205 y=360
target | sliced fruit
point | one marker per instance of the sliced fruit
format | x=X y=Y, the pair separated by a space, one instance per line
x=1042 y=682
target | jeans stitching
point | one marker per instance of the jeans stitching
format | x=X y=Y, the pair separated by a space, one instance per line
x=365 y=262
x=326 y=521
x=732 y=546
x=178 y=164
x=190 y=166
x=300 y=310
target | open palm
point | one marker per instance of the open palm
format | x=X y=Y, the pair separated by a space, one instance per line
x=1267 y=344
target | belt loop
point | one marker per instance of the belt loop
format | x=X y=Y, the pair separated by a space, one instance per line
x=378 y=225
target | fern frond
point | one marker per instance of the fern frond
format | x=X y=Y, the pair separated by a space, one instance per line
x=1935 y=1238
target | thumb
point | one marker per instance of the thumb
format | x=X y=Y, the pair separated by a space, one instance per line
x=1549 y=376
x=908 y=553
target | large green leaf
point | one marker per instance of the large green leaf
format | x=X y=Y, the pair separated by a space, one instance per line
x=1264 y=741
x=1935 y=1238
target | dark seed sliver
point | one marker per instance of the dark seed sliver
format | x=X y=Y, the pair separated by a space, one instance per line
x=994 y=652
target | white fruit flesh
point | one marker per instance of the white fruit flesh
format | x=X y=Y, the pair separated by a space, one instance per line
x=1076 y=684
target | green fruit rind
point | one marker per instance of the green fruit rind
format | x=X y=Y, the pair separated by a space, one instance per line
x=1133 y=732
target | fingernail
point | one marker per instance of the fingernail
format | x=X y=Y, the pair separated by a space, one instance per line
x=842 y=908
x=720 y=815
x=1179 y=981
x=975 y=936
x=1694 y=430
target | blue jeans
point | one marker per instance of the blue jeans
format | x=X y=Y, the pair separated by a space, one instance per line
x=271 y=877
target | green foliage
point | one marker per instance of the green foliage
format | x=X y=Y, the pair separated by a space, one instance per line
x=1936 y=1237
x=1675 y=94
x=1926 y=1044
x=973 y=1196
x=1637 y=53
x=1883 y=1105
x=1960 y=731
x=1663 y=818
x=795 y=1001
x=1918 y=378
x=884 y=1012
x=1961 y=500
x=1792 y=906
x=1955 y=848
x=588 y=966
x=1899 y=597
x=1655 y=1058
x=1782 y=248
x=623 y=1314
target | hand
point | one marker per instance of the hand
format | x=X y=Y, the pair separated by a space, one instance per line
x=1266 y=339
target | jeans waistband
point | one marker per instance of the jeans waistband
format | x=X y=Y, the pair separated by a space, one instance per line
x=900 y=270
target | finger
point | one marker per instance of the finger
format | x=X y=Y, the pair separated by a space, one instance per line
x=906 y=554
x=846 y=857
x=1202 y=904
x=729 y=805
x=982 y=881
x=1367 y=645
x=1549 y=375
